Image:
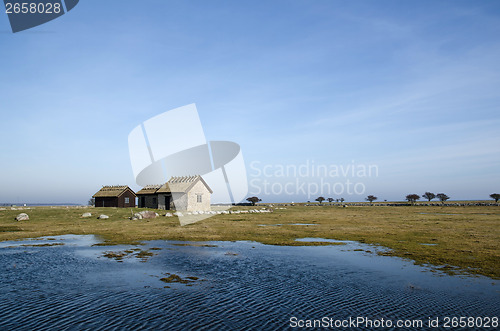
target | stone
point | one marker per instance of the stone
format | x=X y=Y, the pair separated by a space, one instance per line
x=22 y=217
x=103 y=217
x=137 y=216
x=168 y=215
x=147 y=214
x=86 y=215
x=178 y=214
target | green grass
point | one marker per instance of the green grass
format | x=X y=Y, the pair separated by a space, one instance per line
x=464 y=237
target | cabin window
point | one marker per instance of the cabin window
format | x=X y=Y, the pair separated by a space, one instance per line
x=198 y=197
x=127 y=200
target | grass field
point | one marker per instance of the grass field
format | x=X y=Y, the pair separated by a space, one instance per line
x=465 y=237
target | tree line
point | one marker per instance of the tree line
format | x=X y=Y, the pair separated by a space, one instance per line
x=412 y=198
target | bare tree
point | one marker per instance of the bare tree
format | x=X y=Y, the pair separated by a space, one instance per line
x=91 y=202
x=442 y=197
x=412 y=198
x=495 y=196
x=429 y=196
x=253 y=200
x=371 y=198
x=320 y=199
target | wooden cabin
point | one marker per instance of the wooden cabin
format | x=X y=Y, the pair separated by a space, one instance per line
x=115 y=196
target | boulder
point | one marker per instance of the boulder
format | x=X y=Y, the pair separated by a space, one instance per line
x=86 y=215
x=168 y=215
x=103 y=217
x=137 y=216
x=22 y=217
x=178 y=214
x=147 y=214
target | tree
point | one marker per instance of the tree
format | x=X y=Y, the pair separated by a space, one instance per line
x=371 y=198
x=342 y=200
x=412 y=198
x=429 y=196
x=320 y=199
x=330 y=200
x=442 y=197
x=253 y=200
x=495 y=196
x=91 y=202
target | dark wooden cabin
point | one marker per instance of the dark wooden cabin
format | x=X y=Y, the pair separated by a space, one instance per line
x=115 y=196
x=147 y=197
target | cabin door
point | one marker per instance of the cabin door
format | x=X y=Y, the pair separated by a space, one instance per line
x=168 y=198
x=143 y=202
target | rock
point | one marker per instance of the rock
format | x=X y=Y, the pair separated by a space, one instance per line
x=147 y=214
x=133 y=218
x=137 y=216
x=168 y=215
x=103 y=217
x=178 y=214
x=86 y=215
x=22 y=217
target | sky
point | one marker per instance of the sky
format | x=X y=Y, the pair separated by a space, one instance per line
x=410 y=89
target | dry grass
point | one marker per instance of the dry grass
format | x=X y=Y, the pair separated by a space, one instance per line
x=466 y=237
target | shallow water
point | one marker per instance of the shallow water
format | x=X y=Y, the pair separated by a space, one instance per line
x=240 y=285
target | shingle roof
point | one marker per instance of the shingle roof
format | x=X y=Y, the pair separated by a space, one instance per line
x=111 y=191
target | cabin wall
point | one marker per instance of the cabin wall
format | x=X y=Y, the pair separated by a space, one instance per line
x=162 y=200
x=199 y=189
x=106 y=202
x=150 y=201
x=180 y=201
x=131 y=199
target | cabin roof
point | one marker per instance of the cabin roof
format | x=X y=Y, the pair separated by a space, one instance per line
x=110 y=191
x=149 y=189
x=175 y=185
x=181 y=184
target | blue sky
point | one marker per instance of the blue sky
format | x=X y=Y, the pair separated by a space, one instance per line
x=410 y=86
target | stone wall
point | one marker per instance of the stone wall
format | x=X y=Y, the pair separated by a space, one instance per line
x=199 y=189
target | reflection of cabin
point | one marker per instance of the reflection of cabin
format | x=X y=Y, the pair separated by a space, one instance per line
x=190 y=193
x=115 y=196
